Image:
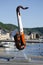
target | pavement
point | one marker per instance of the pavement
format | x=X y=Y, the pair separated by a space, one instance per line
x=12 y=62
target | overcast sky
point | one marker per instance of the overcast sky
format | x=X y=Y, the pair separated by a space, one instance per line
x=33 y=17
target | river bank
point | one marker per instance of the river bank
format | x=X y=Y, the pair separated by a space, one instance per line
x=34 y=41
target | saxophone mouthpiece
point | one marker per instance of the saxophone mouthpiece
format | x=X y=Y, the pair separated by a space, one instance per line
x=26 y=7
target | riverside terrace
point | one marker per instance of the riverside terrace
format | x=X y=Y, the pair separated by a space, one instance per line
x=18 y=60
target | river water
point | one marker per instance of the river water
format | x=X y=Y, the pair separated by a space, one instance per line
x=34 y=49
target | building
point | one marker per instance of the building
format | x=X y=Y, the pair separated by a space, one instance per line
x=27 y=37
x=4 y=35
x=35 y=35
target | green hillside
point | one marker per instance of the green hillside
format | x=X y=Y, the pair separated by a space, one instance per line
x=11 y=27
x=8 y=27
x=37 y=29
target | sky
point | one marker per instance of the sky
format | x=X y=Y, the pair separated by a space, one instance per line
x=33 y=17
